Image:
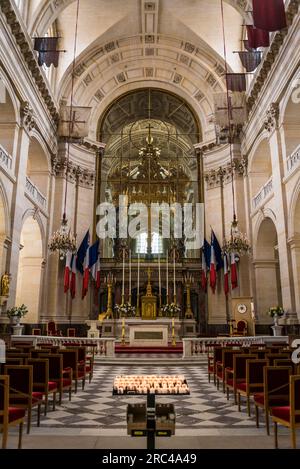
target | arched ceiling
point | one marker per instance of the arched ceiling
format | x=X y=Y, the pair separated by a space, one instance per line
x=175 y=45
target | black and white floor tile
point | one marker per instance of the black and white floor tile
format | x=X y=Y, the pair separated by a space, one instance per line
x=95 y=409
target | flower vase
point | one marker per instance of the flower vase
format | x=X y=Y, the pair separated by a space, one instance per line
x=276 y=320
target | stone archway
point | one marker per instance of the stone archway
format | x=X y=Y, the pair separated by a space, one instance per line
x=260 y=173
x=30 y=269
x=267 y=270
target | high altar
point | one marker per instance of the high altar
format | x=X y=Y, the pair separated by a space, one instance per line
x=149 y=302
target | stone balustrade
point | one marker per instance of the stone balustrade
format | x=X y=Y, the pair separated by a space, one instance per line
x=5 y=159
x=104 y=347
x=192 y=348
x=293 y=160
x=264 y=192
x=34 y=194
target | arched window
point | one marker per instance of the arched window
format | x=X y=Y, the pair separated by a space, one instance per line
x=156 y=244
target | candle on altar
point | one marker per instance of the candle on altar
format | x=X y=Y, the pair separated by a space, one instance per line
x=174 y=263
x=130 y=276
x=159 y=277
x=167 y=286
x=123 y=277
x=138 y=278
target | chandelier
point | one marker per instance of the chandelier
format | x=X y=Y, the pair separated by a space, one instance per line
x=238 y=242
x=63 y=241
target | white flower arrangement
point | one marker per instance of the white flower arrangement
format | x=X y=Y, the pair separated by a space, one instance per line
x=171 y=310
x=125 y=310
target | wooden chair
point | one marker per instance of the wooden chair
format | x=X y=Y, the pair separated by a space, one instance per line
x=52 y=329
x=212 y=358
x=289 y=416
x=63 y=378
x=36 y=331
x=254 y=382
x=276 y=391
x=21 y=391
x=41 y=382
x=9 y=416
x=71 y=332
x=241 y=328
x=288 y=362
x=237 y=374
x=271 y=357
x=70 y=360
x=227 y=362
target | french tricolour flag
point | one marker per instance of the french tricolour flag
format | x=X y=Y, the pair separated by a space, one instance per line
x=94 y=263
x=233 y=271
x=68 y=269
x=204 y=274
x=213 y=267
x=226 y=275
x=86 y=274
x=73 y=277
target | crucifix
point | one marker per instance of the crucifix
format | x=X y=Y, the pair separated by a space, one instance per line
x=73 y=121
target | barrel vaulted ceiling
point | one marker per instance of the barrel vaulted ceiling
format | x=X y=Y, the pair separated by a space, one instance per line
x=176 y=45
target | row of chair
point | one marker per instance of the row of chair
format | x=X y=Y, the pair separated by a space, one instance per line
x=30 y=377
x=266 y=375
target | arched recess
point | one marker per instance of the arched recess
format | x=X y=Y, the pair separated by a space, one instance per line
x=294 y=241
x=30 y=269
x=8 y=120
x=267 y=269
x=38 y=171
x=260 y=169
x=291 y=123
x=4 y=223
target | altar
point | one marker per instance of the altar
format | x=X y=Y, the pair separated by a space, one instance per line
x=149 y=335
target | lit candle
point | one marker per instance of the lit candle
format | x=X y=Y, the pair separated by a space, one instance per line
x=174 y=262
x=130 y=277
x=123 y=279
x=159 y=279
x=167 y=257
x=138 y=279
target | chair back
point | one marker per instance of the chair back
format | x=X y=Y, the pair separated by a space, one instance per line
x=20 y=383
x=4 y=399
x=70 y=358
x=286 y=362
x=14 y=361
x=295 y=398
x=276 y=384
x=255 y=374
x=218 y=354
x=227 y=357
x=55 y=366
x=51 y=328
x=239 y=364
x=241 y=327
x=276 y=356
x=40 y=373
x=71 y=332
x=37 y=353
x=36 y=331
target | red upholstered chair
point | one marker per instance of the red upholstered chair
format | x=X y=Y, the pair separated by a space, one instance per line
x=289 y=416
x=237 y=374
x=241 y=328
x=63 y=378
x=212 y=358
x=276 y=391
x=41 y=381
x=71 y=332
x=9 y=416
x=52 y=330
x=254 y=382
x=21 y=393
x=227 y=362
x=70 y=360
x=36 y=331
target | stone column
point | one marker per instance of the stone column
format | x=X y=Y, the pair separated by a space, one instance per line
x=287 y=287
x=295 y=253
x=17 y=209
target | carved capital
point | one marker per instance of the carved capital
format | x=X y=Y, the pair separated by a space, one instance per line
x=272 y=118
x=27 y=116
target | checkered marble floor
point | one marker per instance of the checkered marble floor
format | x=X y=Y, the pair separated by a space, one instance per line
x=96 y=409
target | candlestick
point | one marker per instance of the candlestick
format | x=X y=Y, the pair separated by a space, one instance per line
x=174 y=263
x=167 y=272
x=123 y=279
x=129 y=296
x=159 y=286
x=138 y=289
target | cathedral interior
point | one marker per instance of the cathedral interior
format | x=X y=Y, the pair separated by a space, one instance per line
x=167 y=119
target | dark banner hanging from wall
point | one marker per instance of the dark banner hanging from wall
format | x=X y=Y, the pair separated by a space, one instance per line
x=47 y=49
x=236 y=81
x=250 y=60
x=257 y=37
x=269 y=15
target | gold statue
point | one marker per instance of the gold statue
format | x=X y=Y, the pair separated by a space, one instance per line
x=5 y=281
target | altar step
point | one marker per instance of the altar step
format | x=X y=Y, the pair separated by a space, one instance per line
x=177 y=349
